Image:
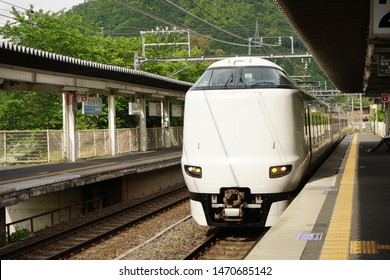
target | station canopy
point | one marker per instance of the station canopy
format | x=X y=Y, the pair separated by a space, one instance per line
x=349 y=39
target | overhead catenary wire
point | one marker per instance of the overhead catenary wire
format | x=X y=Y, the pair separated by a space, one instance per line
x=205 y=21
x=14 y=5
x=6 y=16
x=226 y=14
x=213 y=26
x=191 y=31
x=176 y=25
x=292 y=63
x=133 y=30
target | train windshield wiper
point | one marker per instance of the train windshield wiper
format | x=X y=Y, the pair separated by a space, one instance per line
x=229 y=80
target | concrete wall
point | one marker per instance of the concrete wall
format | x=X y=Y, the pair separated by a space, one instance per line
x=143 y=184
x=73 y=202
x=45 y=203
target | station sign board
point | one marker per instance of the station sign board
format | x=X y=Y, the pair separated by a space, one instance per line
x=154 y=109
x=380 y=18
x=82 y=98
x=134 y=108
x=176 y=110
x=92 y=106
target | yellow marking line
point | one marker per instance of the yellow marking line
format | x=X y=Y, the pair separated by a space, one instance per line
x=337 y=241
x=72 y=170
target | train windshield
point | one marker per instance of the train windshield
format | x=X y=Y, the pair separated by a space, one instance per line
x=217 y=78
x=245 y=77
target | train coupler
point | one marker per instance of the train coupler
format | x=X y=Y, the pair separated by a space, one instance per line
x=234 y=202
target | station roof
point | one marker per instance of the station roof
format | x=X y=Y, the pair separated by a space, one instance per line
x=23 y=68
x=339 y=36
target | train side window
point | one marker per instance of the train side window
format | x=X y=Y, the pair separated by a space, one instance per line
x=306 y=121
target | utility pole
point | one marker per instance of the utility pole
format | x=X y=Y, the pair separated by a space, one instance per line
x=136 y=61
x=257 y=36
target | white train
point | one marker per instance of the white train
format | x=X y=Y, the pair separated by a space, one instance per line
x=251 y=137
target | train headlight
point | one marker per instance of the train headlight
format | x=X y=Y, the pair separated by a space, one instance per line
x=279 y=171
x=193 y=171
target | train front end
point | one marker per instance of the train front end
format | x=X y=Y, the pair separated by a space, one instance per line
x=242 y=146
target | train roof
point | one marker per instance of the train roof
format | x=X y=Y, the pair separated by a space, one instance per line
x=244 y=61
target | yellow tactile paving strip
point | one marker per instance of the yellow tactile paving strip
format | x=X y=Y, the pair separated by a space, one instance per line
x=363 y=247
x=337 y=241
x=366 y=247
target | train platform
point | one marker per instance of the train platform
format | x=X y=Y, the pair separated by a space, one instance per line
x=19 y=183
x=342 y=213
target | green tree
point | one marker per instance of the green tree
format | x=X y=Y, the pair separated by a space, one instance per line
x=69 y=35
x=26 y=111
x=66 y=34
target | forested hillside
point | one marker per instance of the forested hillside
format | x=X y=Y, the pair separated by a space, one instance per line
x=204 y=17
x=218 y=27
x=108 y=31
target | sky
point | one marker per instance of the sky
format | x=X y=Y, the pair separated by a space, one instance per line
x=46 y=5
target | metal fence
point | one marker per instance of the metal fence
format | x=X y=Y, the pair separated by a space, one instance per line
x=378 y=128
x=41 y=146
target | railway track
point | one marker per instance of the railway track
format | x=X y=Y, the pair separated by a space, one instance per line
x=62 y=244
x=227 y=244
